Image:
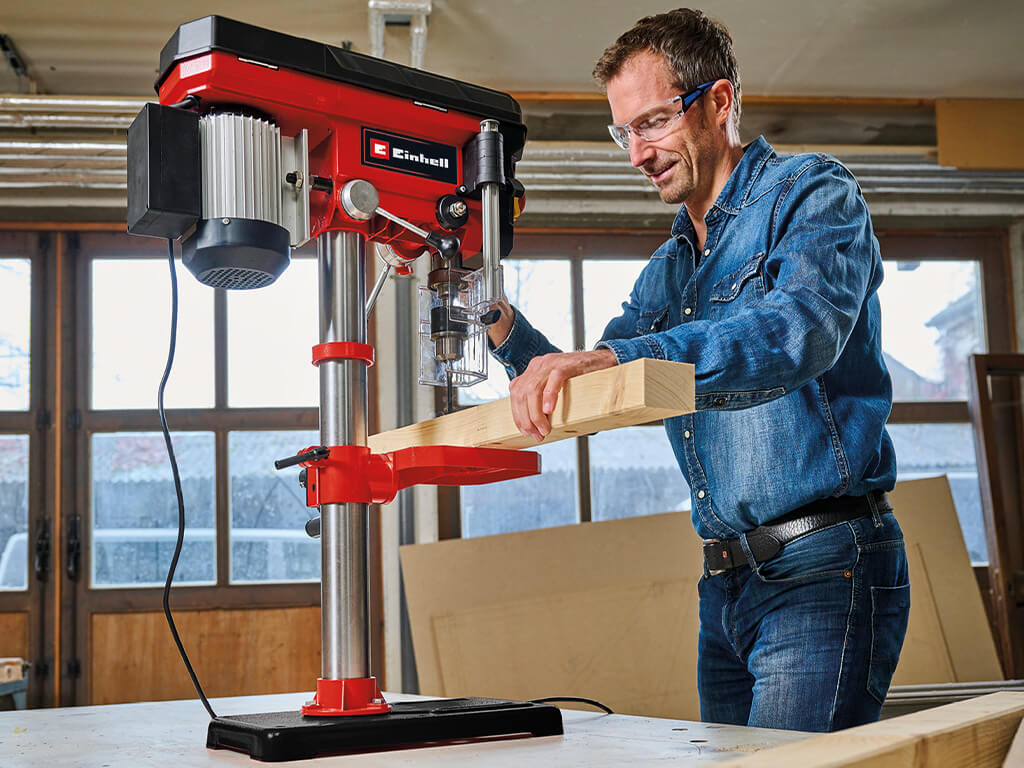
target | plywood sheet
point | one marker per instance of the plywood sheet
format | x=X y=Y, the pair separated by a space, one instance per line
x=14 y=634
x=925 y=657
x=605 y=610
x=234 y=653
x=608 y=610
x=621 y=396
x=927 y=515
x=639 y=661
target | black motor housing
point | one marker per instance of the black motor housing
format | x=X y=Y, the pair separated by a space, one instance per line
x=237 y=254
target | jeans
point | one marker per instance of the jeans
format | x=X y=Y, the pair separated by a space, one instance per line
x=808 y=640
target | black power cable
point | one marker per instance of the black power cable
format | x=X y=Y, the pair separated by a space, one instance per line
x=577 y=699
x=177 y=482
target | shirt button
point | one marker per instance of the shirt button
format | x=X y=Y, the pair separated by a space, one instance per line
x=687 y=311
x=686 y=434
x=707 y=251
x=701 y=494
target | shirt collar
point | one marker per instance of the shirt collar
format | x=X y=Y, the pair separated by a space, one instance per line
x=736 y=190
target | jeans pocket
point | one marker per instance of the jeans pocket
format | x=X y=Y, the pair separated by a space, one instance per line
x=828 y=552
x=890 y=609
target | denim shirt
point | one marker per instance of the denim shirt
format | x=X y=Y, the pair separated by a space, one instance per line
x=780 y=317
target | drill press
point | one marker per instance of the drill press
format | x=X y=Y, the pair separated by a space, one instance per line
x=262 y=141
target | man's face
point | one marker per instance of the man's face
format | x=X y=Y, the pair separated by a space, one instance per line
x=679 y=162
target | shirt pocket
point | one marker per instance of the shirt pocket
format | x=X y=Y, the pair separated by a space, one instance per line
x=745 y=284
x=652 y=320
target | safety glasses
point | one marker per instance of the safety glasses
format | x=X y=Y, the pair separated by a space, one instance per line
x=656 y=122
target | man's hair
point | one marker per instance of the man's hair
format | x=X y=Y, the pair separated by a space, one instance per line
x=697 y=50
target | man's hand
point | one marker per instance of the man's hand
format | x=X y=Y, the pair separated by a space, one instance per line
x=500 y=330
x=534 y=393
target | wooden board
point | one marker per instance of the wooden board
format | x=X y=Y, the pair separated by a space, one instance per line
x=1015 y=756
x=605 y=610
x=622 y=396
x=980 y=133
x=14 y=634
x=234 y=652
x=927 y=515
x=968 y=734
x=925 y=657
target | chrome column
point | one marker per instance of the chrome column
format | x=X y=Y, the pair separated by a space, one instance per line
x=490 y=215
x=344 y=528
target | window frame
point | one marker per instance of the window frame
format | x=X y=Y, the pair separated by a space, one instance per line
x=35 y=423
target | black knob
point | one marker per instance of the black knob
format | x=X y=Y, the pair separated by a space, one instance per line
x=452 y=212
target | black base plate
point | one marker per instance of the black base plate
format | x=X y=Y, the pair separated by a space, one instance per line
x=279 y=736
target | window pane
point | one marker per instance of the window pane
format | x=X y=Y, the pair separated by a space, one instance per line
x=271 y=333
x=13 y=512
x=131 y=321
x=634 y=472
x=541 y=290
x=606 y=285
x=135 y=509
x=932 y=319
x=928 y=450
x=15 y=333
x=268 y=509
x=541 y=501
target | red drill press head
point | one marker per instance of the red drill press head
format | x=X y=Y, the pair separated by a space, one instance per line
x=268 y=130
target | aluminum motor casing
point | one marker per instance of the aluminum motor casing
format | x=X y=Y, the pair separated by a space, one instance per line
x=242 y=240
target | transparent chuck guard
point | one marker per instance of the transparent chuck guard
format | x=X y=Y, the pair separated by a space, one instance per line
x=453 y=340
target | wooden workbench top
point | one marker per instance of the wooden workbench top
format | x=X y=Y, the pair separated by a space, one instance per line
x=174 y=733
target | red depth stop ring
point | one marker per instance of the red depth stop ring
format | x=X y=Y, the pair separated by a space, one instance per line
x=343 y=350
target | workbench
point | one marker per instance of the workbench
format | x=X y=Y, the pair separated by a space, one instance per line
x=174 y=733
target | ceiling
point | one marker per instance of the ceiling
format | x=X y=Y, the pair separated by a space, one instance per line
x=870 y=48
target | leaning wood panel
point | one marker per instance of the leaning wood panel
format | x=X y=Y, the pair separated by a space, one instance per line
x=234 y=653
x=622 y=396
x=14 y=634
x=968 y=734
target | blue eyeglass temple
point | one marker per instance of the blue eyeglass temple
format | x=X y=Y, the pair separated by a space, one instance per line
x=696 y=93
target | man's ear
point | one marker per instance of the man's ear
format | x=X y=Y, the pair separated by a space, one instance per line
x=721 y=97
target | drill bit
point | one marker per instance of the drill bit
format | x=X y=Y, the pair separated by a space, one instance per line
x=449 y=389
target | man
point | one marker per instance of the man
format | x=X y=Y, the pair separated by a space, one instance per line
x=767 y=286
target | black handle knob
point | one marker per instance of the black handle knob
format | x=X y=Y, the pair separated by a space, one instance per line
x=313 y=454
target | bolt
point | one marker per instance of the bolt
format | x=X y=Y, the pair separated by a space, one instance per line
x=225 y=221
x=458 y=209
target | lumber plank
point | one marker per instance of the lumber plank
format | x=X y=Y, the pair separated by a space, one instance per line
x=621 y=396
x=968 y=734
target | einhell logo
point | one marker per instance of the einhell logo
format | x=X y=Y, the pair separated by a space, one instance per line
x=404 y=154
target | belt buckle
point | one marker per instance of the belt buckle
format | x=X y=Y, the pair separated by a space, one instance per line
x=716 y=571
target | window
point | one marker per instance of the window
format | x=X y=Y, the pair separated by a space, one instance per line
x=15 y=343
x=268 y=509
x=135 y=509
x=942 y=299
x=236 y=352
x=131 y=320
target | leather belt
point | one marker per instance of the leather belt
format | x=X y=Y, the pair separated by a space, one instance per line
x=767 y=540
